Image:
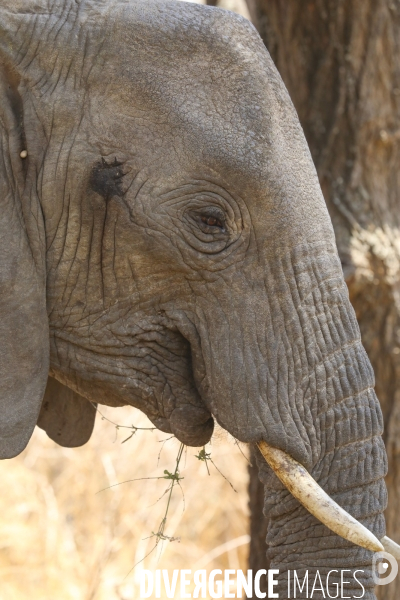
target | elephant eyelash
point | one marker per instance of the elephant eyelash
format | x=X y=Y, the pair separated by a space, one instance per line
x=106 y=178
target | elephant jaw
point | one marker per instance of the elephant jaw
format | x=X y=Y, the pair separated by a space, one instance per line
x=307 y=491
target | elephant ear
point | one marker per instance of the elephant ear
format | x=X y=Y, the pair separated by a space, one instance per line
x=67 y=418
x=24 y=333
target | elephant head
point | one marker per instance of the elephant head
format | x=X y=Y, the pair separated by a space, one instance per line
x=165 y=244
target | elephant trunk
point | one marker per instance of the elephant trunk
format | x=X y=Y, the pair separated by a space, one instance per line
x=302 y=548
x=347 y=456
x=350 y=470
x=294 y=374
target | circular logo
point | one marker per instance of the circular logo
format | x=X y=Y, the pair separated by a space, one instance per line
x=380 y=565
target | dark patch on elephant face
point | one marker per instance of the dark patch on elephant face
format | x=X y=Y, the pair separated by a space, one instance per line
x=106 y=179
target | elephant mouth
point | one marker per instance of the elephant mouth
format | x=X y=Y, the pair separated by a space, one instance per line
x=192 y=425
x=307 y=491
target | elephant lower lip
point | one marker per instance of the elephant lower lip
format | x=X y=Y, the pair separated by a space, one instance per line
x=192 y=425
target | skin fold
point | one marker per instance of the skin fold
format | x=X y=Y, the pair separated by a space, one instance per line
x=165 y=244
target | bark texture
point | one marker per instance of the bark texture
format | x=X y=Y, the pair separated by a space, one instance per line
x=258 y=523
x=340 y=60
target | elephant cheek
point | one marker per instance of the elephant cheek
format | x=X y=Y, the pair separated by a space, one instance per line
x=192 y=425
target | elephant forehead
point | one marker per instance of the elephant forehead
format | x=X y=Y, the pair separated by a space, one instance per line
x=202 y=73
x=202 y=79
x=205 y=69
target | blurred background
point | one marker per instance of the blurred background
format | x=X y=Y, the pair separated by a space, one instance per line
x=62 y=538
x=238 y=6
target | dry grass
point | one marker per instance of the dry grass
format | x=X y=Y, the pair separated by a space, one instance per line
x=61 y=540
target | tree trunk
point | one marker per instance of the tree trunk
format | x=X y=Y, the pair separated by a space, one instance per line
x=340 y=60
x=258 y=523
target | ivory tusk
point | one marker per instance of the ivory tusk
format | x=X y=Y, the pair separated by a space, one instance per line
x=307 y=491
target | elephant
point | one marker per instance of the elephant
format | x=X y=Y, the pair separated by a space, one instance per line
x=165 y=244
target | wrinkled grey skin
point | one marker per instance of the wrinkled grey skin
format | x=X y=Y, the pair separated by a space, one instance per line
x=168 y=235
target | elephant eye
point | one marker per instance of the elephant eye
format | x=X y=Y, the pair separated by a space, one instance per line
x=212 y=221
